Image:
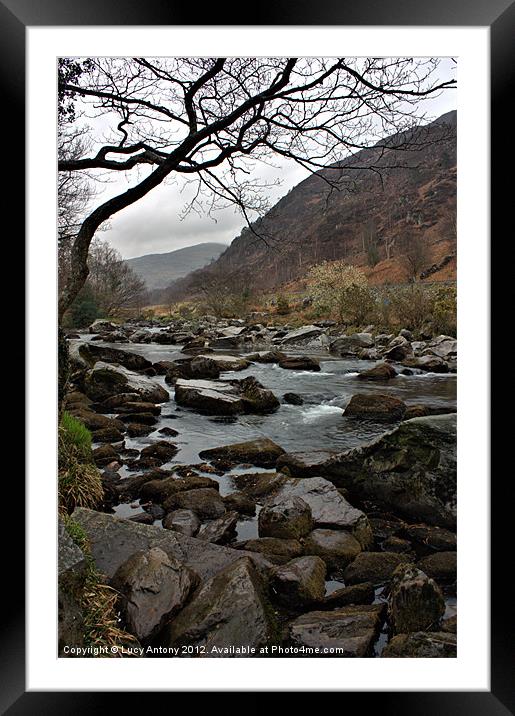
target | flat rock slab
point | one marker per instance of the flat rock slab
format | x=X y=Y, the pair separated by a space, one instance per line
x=266 y=357
x=375 y=567
x=380 y=407
x=105 y=380
x=300 y=363
x=278 y=551
x=301 y=334
x=304 y=464
x=352 y=629
x=381 y=371
x=262 y=452
x=93 y=353
x=411 y=470
x=217 y=398
x=225 y=362
x=225 y=398
x=114 y=540
x=328 y=507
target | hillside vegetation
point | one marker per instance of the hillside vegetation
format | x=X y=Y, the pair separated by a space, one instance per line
x=396 y=225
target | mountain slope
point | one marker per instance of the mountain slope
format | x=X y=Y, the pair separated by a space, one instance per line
x=366 y=222
x=159 y=270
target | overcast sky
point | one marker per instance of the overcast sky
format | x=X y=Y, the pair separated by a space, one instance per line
x=153 y=224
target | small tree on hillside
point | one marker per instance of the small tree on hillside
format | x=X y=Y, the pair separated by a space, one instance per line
x=414 y=253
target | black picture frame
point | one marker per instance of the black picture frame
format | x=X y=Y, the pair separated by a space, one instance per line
x=499 y=16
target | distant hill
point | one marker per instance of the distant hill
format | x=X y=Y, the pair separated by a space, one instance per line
x=160 y=270
x=365 y=225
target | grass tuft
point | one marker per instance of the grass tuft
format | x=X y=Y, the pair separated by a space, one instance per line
x=80 y=483
x=99 y=603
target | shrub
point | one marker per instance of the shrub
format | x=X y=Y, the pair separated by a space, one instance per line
x=283 y=307
x=418 y=306
x=76 y=436
x=342 y=290
x=84 y=309
x=79 y=483
x=358 y=305
x=445 y=311
x=411 y=306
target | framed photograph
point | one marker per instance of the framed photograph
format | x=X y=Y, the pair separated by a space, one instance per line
x=250 y=263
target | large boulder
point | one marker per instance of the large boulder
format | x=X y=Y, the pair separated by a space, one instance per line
x=133 y=407
x=153 y=456
x=161 y=488
x=380 y=372
x=304 y=464
x=336 y=547
x=351 y=345
x=105 y=380
x=205 y=502
x=113 y=540
x=374 y=567
x=362 y=593
x=299 y=335
x=100 y=325
x=94 y=421
x=163 y=338
x=415 y=602
x=262 y=452
x=286 y=519
x=429 y=363
x=399 y=349
x=225 y=398
x=434 y=538
x=266 y=356
x=351 y=630
x=299 y=583
x=410 y=470
x=184 y=521
x=380 y=407
x=221 y=530
x=328 y=507
x=277 y=551
x=106 y=435
x=300 y=363
x=258 y=486
x=154 y=586
x=225 y=363
x=422 y=645
x=226 y=342
x=71 y=572
x=293 y=399
x=443 y=346
x=200 y=367
x=228 y=612
x=239 y=502
x=441 y=566
x=92 y=352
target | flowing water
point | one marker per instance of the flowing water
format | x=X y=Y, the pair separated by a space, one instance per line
x=315 y=425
